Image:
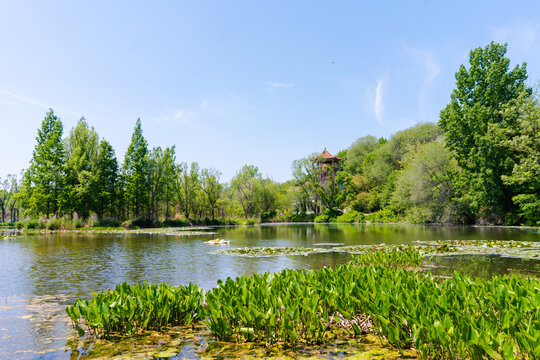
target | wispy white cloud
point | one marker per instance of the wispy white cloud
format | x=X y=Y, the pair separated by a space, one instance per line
x=272 y=85
x=431 y=69
x=521 y=36
x=228 y=108
x=378 y=104
x=30 y=101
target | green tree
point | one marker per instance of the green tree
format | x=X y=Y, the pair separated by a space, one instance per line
x=267 y=200
x=187 y=187
x=481 y=92
x=357 y=152
x=4 y=197
x=135 y=173
x=522 y=141
x=169 y=176
x=304 y=179
x=425 y=187
x=246 y=184
x=211 y=187
x=44 y=179
x=81 y=147
x=156 y=172
x=106 y=173
x=14 y=197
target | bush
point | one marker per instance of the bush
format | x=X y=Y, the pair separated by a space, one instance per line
x=382 y=216
x=175 y=222
x=31 y=224
x=350 y=217
x=251 y=221
x=328 y=216
x=107 y=223
x=292 y=217
x=55 y=224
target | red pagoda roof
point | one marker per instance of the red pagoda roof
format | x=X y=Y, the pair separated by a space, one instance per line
x=327 y=156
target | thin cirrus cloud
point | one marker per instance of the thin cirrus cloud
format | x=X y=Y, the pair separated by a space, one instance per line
x=18 y=99
x=378 y=104
x=272 y=85
x=522 y=36
x=431 y=69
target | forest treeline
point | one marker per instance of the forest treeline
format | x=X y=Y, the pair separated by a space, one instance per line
x=479 y=164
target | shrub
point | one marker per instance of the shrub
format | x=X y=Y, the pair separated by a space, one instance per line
x=175 y=222
x=350 y=217
x=55 y=224
x=328 y=216
x=108 y=223
x=382 y=216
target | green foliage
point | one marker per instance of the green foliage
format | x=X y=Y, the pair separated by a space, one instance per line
x=256 y=196
x=357 y=152
x=382 y=216
x=106 y=173
x=44 y=179
x=81 y=145
x=327 y=216
x=211 y=187
x=188 y=187
x=523 y=141
x=457 y=317
x=482 y=91
x=425 y=187
x=135 y=172
x=350 y=217
x=130 y=309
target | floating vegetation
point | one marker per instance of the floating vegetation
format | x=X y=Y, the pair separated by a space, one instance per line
x=328 y=244
x=171 y=231
x=519 y=249
x=198 y=342
x=217 y=242
x=271 y=251
x=458 y=317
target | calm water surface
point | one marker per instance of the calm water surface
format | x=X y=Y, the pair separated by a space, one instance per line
x=41 y=274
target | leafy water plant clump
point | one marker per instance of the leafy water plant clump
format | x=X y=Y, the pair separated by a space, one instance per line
x=271 y=251
x=458 y=317
x=129 y=309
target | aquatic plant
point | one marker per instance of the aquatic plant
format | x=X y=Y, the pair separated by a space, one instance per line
x=132 y=308
x=458 y=317
x=271 y=251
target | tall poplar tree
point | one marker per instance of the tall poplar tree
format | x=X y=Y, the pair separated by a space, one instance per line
x=106 y=173
x=45 y=176
x=481 y=92
x=81 y=147
x=135 y=172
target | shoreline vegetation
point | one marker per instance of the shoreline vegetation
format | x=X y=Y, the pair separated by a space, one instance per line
x=381 y=292
x=65 y=225
x=479 y=164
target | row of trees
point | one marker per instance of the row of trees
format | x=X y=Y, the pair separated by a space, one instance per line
x=79 y=175
x=480 y=164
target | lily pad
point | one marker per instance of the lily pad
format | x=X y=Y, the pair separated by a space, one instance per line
x=271 y=251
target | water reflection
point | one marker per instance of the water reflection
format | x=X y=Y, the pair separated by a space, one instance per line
x=40 y=274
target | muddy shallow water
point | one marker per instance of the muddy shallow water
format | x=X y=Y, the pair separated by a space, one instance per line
x=41 y=274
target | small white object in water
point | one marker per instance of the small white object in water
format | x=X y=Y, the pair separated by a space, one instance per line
x=217 y=242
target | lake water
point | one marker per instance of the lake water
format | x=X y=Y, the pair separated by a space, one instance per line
x=41 y=274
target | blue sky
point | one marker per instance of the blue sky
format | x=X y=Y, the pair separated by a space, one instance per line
x=252 y=82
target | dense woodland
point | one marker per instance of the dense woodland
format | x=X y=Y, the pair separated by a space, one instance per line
x=480 y=164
